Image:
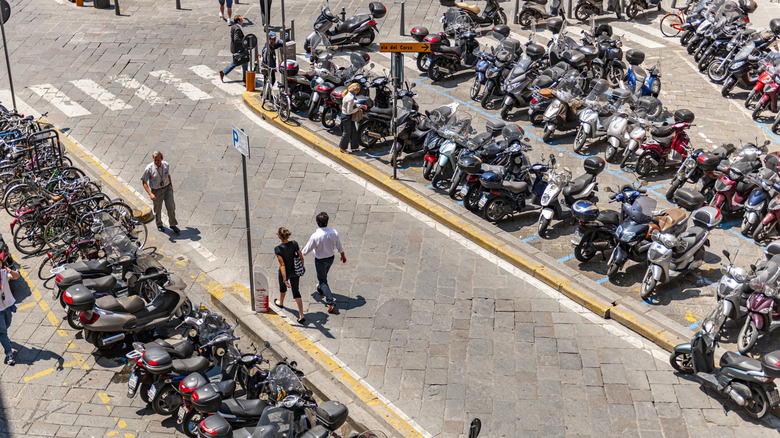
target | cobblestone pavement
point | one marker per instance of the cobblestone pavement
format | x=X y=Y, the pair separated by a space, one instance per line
x=425 y=319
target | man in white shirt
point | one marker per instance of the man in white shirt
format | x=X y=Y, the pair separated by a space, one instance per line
x=157 y=182
x=7 y=307
x=324 y=242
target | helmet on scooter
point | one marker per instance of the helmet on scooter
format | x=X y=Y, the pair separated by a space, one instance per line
x=603 y=28
x=748 y=6
x=774 y=25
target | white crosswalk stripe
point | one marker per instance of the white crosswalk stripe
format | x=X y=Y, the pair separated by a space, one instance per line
x=192 y=92
x=141 y=91
x=59 y=100
x=634 y=38
x=21 y=106
x=95 y=91
x=207 y=73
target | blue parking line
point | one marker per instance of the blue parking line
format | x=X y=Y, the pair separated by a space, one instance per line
x=430 y=186
x=460 y=203
x=568 y=257
x=693 y=326
x=602 y=280
x=769 y=131
x=528 y=239
x=658 y=186
x=419 y=81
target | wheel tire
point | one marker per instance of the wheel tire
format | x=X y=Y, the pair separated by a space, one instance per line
x=525 y=18
x=610 y=153
x=582 y=12
x=579 y=140
x=686 y=37
x=776 y=124
x=537 y=118
x=749 y=100
x=371 y=36
x=717 y=71
x=48 y=263
x=704 y=63
x=549 y=129
x=505 y=111
x=313 y=107
x=28 y=238
x=676 y=183
x=758 y=405
x=693 y=45
x=475 y=89
x=487 y=96
x=285 y=107
x=757 y=111
x=329 y=117
x=644 y=166
x=423 y=61
x=191 y=423
x=615 y=75
x=681 y=362
x=455 y=185
x=471 y=200
x=366 y=140
x=648 y=284
x=748 y=336
x=728 y=86
x=612 y=270
x=494 y=210
x=584 y=250
x=747 y=228
x=657 y=111
x=163 y=402
x=500 y=18
x=74 y=321
x=700 y=52
x=632 y=11
x=544 y=223
x=427 y=170
x=434 y=71
x=668 y=23
x=306 y=46
x=143 y=391
x=438 y=176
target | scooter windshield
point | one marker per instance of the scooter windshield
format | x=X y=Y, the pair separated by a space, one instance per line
x=456 y=127
x=441 y=115
x=520 y=68
x=284 y=382
x=277 y=422
x=113 y=235
x=745 y=52
x=599 y=93
x=641 y=210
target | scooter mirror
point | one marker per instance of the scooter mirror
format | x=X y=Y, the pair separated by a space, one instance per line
x=371 y=65
x=475 y=428
x=727 y=254
x=753 y=268
x=414 y=84
x=608 y=189
x=267 y=344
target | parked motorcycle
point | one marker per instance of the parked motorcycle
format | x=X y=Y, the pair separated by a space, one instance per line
x=587 y=8
x=421 y=35
x=560 y=113
x=669 y=146
x=359 y=29
x=446 y=61
x=377 y=123
x=743 y=71
x=762 y=307
x=559 y=181
x=595 y=114
x=502 y=196
x=533 y=11
x=524 y=78
x=644 y=84
x=472 y=146
x=492 y=14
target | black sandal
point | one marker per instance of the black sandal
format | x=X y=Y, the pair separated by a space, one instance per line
x=302 y=320
x=276 y=303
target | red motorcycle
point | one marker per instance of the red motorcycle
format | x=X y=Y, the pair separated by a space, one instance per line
x=669 y=146
x=762 y=310
x=767 y=73
x=768 y=98
x=733 y=187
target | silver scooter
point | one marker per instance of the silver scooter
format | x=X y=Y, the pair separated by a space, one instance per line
x=595 y=115
x=619 y=129
x=672 y=253
x=559 y=181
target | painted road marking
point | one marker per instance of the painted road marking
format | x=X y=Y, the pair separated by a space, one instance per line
x=5 y=98
x=192 y=92
x=59 y=100
x=206 y=72
x=650 y=44
x=141 y=91
x=95 y=91
x=203 y=251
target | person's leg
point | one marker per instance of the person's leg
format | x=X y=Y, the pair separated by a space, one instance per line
x=323 y=266
x=5 y=322
x=346 y=135
x=294 y=283
x=230 y=10
x=354 y=143
x=222 y=9
x=282 y=289
x=243 y=70
x=170 y=206
x=157 y=206
x=229 y=68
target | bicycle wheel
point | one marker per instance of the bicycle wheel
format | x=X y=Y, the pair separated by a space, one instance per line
x=134 y=228
x=28 y=238
x=266 y=96
x=671 y=24
x=14 y=195
x=61 y=232
x=283 y=102
x=49 y=262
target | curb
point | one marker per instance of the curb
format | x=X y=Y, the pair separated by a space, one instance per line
x=663 y=332
x=141 y=209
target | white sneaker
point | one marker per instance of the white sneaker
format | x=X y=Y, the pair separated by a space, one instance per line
x=221 y=17
x=230 y=22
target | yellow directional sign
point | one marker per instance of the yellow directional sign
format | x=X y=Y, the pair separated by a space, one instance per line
x=405 y=47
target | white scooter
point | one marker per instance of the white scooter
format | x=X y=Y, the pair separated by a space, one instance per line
x=559 y=181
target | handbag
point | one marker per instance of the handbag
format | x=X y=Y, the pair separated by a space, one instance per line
x=358 y=116
x=299 y=268
x=241 y=57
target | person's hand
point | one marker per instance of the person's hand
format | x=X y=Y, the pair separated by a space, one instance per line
x=153 y=197
x=287 y=283
x=343 y=258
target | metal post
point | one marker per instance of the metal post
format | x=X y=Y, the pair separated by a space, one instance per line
x=343 y=14
x=178 y=4
x=396 y=69
x=516 y=20
x=284 y=59
x=283 y=22
x=570 y=10
x=403 y=7
x=292 y=29
x=248 y=233
x=116 y=7
x=8 y=63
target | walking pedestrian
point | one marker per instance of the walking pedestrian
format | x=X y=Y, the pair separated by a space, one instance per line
x=324 y=242
x=236 y=46
x=288 y=278
x=7 y=307
x=229 y=10
x=350 y=115
x=158 y=184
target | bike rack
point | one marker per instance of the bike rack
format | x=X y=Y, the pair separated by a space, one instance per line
x=36 y=139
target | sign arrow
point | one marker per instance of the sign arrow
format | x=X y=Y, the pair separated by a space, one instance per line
x=426 y=48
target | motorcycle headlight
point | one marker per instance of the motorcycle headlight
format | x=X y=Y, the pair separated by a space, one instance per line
x=668 y=240
x=193 y=333
x=545 y=177
x=220 y=352
x=722 y=289
x=738 y=274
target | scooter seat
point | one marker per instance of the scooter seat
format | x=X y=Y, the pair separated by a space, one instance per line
x=744 y=186
x=495 y=168
x=383 y=111
x=352 y=23
x=180 y=350
x=100 y=284
x=131 y=304
x=731 y=359
x=457 y=50
x=308 y=75
x=670 y=218
x=197 y=364
x=467 y=7
x=243 y=408
x=590 y=52
x=661 y=131
x=515 y=186
x=610 y=217
x=578 y=185
x=693 y=235
x=226 y=387
x=91 y=266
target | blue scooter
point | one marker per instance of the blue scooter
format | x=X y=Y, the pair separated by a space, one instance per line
x=644 y=84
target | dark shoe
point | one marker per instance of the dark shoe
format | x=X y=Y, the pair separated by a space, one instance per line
x=319 y=291
x=160 y=228
x=276 y=303
x=332 y=308
x=9 y=359
x=175 y=230
x=222 y=76
x=302 y=321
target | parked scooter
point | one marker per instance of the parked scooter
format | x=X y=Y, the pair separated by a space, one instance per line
x=560 y=114
x=492 y=14
x=672 y=253
x=446 y=61
x=700 y=165
x=559 y=181
x=746 y=381
x=533 y=11
x=669 y=146
x=360 y=29
x=743 y=71
x=644 y=84
x=587 y=8
x=422 y=36
x=595 y=114
x=502 y=196
x=376 y=125
x=620 y=124
x=438 y=119
x=732 y=295
x=763 y=307
x=472 y=147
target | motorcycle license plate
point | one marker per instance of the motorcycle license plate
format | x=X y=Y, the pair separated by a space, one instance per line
x=576 y=239
x=152 y=392
x=482 y=201
x=774 y=397
x=182 y=413
x=464 y=190
x=132 y=385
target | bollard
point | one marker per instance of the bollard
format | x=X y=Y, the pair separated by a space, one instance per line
x=79 y=2
x=517 y=12
x=116 y=7
x=178 y=4
x=292 y=29
x=570 y=10
x=250 y=81
x=343 y=14
x=403 y=7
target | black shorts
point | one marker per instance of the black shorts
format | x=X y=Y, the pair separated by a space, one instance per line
x=293 y=285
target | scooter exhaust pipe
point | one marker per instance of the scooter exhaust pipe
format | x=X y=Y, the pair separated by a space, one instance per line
x=111 y=340
x=737 y=397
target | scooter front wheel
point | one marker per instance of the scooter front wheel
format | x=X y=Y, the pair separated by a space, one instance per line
x=681 y=362
x=427 y=170
x=728 y=86
x=676 y=183
x=505 y=111
x=632 y=11
x=423 y=61
x=579 y=140
x=747 y=336
x=471 y=200
x=648 y=284
x=548 y=132
x=584 y=251
x=475 y=89
x=544 y=223
x=165 y=403
x=496 y=209
x=645 y=165
x=435 y=70
x=776 y=124
x=525 y=18
x=582 y=12
x=500 y=18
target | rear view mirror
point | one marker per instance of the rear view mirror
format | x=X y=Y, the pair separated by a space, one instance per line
x=475 y=428
x=608 y=189
x=267 y=344
x=727 y=254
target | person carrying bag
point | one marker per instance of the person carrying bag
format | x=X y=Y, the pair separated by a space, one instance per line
x=350 y=114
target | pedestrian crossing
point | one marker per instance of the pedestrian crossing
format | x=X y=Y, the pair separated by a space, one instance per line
x=87 y=90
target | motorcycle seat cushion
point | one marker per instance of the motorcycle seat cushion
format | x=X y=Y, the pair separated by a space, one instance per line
x=93 y=266
x=308 y=75
x=243 y=408
x=385 y=111
x=100 y=284
x=578 y=185
x=661 y=131
x=743 y=186
x=609 y=217
x=467 y=7
x=670 y=218
x=732 y=359
x=515 y=186
x=131 y=304
x=457 y=50
x=197 y=364
x=226 y=387
x=352 y=23
x=693 y=235
x=181 y=350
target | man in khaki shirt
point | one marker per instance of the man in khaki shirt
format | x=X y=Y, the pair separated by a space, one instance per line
x=157 y=182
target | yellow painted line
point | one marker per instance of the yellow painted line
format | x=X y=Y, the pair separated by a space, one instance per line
x=40 y=301
x=44 y=305
x=121 y=424
x=27 y=306
x=690 y=317
x=80 y=360
x=49 y=371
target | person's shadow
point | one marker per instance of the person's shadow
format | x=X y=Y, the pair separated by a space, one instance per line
x=28 y=355
x=187 y=233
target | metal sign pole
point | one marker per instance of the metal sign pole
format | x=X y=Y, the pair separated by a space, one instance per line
x=396 y=62
x=248 y=234
x=5 y=14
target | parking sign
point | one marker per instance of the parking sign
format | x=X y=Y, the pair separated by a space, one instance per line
x=241 y=141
